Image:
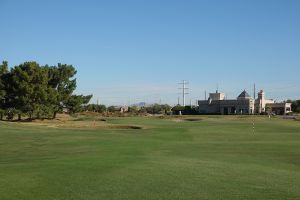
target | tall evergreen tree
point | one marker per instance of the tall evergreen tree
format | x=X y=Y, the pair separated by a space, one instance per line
x=38 y=91
x=75 y=102
x=3 y=72
x=29 y=89
x=61 y=79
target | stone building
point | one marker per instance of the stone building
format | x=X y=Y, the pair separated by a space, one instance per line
x=243 y=104
x=263 y=105
x=217 y=104
x=121 y=109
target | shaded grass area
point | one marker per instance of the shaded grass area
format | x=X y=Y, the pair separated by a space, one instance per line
x=207 y=157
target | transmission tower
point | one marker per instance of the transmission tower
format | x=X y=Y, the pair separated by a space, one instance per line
x=183 y=89
x=254 y=91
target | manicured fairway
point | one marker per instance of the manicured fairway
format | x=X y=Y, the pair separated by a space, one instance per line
x=212 y=158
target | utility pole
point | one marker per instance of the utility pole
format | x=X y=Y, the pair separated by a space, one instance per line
x=254 y=91
x=184 y=90
x=205 y=95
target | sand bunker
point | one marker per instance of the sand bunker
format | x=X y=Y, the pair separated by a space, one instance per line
x=77 y=123
x=186 y=119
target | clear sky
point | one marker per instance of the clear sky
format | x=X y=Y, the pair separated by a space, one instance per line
x=130 y=51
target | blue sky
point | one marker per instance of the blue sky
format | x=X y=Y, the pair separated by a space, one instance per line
x=130 y=51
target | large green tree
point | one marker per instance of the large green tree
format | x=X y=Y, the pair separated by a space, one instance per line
x=296 y=106
x=38 y=91
x=3 y=72
x=75 y=103
x=95 y=108
x=63 y=83
x=29 y=90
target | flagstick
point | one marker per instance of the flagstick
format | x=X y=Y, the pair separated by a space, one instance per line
x=253 y=125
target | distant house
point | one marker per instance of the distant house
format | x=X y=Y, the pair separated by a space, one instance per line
x=120 y=109
x=243 y=104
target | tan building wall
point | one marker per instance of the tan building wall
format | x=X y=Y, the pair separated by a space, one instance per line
x=217 y=96
x=244 y=104
x=270 y=106
x=279 y=108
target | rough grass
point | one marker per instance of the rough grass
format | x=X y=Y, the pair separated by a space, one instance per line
x=83 y=122
x=212 y=158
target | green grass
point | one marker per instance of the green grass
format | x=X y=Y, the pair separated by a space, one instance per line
x=213 y=158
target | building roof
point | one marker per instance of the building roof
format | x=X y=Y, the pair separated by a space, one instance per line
x=244 y=94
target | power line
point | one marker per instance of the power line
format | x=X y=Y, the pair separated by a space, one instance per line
x=254 y=91
x=184 y=90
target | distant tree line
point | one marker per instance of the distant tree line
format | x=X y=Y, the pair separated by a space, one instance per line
x=184 y=110
x=295 y=105
x=151 y=109
x=95 y=108
x=36 y=91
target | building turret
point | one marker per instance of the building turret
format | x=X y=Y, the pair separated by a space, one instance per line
x=261 y=95
x=244 y=95
x=217 y=96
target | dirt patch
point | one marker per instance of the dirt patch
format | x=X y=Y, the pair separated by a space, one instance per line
x=297 y=118
x=96 y=124
x=63 y=117
x=90 y=114
x=177 y=120
x=80 y=122
x=288 y=117
x=99 y=126
x=186 y=119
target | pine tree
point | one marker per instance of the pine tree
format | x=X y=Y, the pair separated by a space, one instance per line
x=3 y=72
x=38 y=91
